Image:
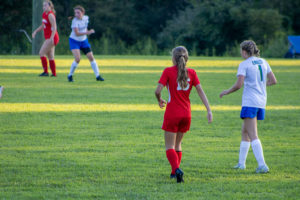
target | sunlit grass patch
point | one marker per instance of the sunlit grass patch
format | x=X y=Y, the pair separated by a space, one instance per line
x=105 y=107
x=129 y=71
x=141 y=63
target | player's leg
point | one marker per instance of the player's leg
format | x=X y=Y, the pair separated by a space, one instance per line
x=43 y=52
x=178 y=148
x=52 y=61
x=1 y=89
x=170 y=125
x=244 y=149
x=170 y=139
x=251 y=127
x=76 y=54
x=94 y=65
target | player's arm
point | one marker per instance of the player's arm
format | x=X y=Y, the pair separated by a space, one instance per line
x=238 y=85
x=53 y=25
x=158 y=90
x=37 y=30
x=271 y=79
x=89 y=32
x=204 y=100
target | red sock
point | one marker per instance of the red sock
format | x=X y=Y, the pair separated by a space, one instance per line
x=179 y=154
x=173 y=159
x=52 y=67
x=45 y=64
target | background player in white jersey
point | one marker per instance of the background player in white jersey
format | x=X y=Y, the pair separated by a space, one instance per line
x=78 y=41
x=255 y=73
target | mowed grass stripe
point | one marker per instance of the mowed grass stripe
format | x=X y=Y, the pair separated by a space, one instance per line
x=106 y=107
x=128 y=71
x=140 y=63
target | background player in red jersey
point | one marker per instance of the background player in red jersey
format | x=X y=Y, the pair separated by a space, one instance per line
x=51 y=38
x=177 y=119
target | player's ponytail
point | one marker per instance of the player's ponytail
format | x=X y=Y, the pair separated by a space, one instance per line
x=180 y=58
x=250 y=47
x=51 y=5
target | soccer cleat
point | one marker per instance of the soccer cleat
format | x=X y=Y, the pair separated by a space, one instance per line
x=239 y=166
x=44 y=74
x=70 y=78
x=53 y=75
x=172 y=176
x=179 y=175
x=99 y=78
x=262 y=169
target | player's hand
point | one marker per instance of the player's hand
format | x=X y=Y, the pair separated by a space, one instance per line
x=209 y=117
x=162 y=103
x=91 y=31
x=52 y=41
x=223 y=93
x=33 y=34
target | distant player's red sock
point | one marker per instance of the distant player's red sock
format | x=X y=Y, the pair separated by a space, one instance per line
x=44 y=63
x=52 y=67
x=173 y=159
x=179 y=154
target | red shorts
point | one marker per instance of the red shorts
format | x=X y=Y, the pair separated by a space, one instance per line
x=174 y=125
x=56 y=39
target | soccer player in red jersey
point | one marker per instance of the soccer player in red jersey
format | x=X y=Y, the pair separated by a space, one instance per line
x=179 y=81
x=51 y=38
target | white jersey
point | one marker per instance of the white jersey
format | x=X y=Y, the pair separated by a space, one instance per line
x=255 y=71
x=81 y=25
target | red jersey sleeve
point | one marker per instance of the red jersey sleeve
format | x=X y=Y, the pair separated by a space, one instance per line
x=195 y=79
x=164 y=78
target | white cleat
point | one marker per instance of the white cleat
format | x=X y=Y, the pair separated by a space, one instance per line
x=240 y=166
x=262 y=169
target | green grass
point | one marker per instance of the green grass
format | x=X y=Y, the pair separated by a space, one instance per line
x=121 y=155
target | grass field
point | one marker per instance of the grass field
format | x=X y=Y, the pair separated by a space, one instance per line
x=102 y=140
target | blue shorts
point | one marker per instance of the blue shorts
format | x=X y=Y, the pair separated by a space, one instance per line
x=82 y=45
x=251 y=112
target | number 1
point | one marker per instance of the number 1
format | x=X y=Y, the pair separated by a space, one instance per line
x=261 y=73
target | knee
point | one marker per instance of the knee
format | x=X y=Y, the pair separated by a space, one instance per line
x=91 y=59
x=51 y=57
x=255 y=137
x=178 y=147
x=170 y=147
x=41 y=54
x=77 y=60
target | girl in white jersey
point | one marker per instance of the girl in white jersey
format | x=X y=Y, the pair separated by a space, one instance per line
x=255 y=73
x=78 y=41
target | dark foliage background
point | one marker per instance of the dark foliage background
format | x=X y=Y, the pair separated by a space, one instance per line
x=155 y=26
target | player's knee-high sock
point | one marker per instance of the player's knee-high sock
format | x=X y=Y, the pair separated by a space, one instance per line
x=95 y=68
x=258 y=152
x=44 y=64
x=179 y=155
x=73 y=67
x=173 y=159
x=244 y=148
x=52 y=67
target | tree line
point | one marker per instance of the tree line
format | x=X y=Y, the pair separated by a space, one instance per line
x=153 y=27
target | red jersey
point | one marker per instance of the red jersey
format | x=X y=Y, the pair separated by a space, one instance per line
x=179 y=102
x=47 y=25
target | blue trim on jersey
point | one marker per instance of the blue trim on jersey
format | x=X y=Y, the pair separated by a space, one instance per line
x=74 y=44
x=251 y=112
